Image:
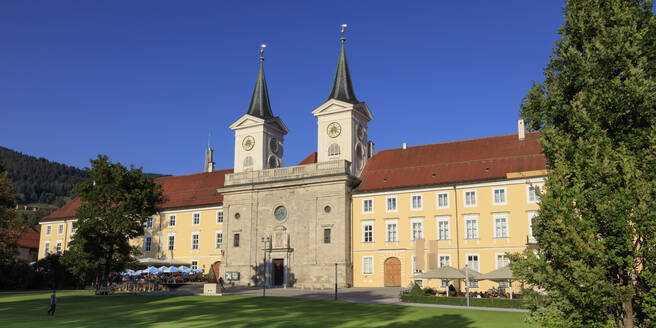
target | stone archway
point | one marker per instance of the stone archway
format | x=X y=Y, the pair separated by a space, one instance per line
x=392 y=272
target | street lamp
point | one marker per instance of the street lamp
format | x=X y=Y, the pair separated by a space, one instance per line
x=264 y=266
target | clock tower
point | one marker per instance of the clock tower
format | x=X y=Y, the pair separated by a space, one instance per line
x=259 y=134
x=342 y=121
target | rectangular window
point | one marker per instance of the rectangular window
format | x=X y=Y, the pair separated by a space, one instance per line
x=48 y=230
x=445 y=260
x=443 y=228
x=417 y=202
x=534 y=193
x=171 y=242
x=531 y=215
x=326 y=236
x=148 y=243
x=367 y=206
x=194 y=240
x=149 y=222
x=391 y=204
x=219 y=239
x=46 y=248
x=502 y=260
x=194 y=265
x=58 y=248
x=367 y=232
x=172 y=221
x=471 y=226
x=367 y=265
x=60 y=229
x=219 y=217
x=196 y=219
x=470 y=198
x=73 y=227
x=472 y=263
x=417 y=229
x=499 y=196
x=443 y=200
x=500 y=226
x=235 y=240
x=392 y=232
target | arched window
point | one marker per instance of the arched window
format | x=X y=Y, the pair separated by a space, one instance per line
x=273 y=162
x=248 y=161
x=333 y=150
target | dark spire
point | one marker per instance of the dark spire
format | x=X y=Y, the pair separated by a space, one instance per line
x=260 y=105
x=342 y=86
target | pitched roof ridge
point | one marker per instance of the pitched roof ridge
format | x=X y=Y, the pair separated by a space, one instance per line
x=491 y=159
x=457 y=141
x=192 y=174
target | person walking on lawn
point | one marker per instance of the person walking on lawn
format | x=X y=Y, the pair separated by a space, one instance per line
x=53 y=303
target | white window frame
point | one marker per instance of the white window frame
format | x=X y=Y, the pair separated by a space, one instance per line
x=474 y=284
x=388 y=223
x=496 y=261
x=364 y=265
x=412 y=202
x=195 y=233
x=366 y=210
x=149 y=222
x=447 y=219
x=503 y=215
x=59 y=246
x=170 y=247
x=464 y=197
x=364 y=232
x=531 y=215
x=396 y=204
x=437 y=200
x=536 y=193
x=505 y=196
x=60 y=229
x=73 y=227
x=46 y=248
x=218 y=245
x=419 y=220
x=444 y=282
x=194 y=264
x=172 y=219
x=48 y=230
x=148 y=246
x=471 y=217
x=219 y=217
x=193 y=218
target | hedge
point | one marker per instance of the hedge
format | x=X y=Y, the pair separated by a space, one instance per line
x=461 y=301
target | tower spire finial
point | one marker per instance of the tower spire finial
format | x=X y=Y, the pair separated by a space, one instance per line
x=209 y=136
x=262 y=46
x=343 y=39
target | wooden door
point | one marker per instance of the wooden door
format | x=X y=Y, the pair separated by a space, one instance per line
x=278 y=272
x=392 y=272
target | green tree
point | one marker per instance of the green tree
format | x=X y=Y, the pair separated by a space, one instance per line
x=9 y=227
x=113 y=209
x=597 y=220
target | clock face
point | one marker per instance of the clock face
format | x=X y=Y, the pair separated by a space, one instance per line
x=334 y=130
x=248 y=143
x=359 y=130
x=273 y=145
x=280 y=213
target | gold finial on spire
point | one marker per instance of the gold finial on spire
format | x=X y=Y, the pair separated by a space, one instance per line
x=262 y=46
x=343 y=29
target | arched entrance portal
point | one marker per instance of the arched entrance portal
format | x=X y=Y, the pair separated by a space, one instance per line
x=215 y=272
x=392 y=272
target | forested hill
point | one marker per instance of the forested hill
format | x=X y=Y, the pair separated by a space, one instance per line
x=43 y=184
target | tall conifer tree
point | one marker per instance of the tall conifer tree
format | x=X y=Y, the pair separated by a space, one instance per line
x=597 y=221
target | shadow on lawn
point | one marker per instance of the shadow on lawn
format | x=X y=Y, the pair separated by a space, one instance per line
x=235 y=311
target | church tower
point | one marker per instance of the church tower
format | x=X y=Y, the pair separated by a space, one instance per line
x=259 y=134
x=342 y=121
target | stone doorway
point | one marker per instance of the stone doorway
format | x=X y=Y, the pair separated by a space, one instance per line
x=392 y=272
x=278 y=271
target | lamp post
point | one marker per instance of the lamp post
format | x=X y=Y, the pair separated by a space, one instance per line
x=335 y=281
x=467 y=282
x=264 y=264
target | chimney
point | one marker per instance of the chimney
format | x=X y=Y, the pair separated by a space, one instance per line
x=520 y=129
x=209 y=161
x=405 y=145
x=370 y=149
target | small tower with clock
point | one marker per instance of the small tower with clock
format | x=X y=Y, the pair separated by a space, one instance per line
x=259 y=134
x=342 y=121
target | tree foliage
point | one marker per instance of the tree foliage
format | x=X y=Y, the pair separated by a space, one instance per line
x=9 y=228
x=597 y=220
x=113 y=209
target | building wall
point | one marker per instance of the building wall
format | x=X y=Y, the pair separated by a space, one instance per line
x=516 y=209
x=55 y=236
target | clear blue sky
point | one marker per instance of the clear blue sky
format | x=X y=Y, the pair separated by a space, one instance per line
x=144 y=82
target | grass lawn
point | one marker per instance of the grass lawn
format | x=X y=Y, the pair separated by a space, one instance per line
x=81 y=309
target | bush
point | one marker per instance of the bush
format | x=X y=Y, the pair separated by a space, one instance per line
x=429 y=291
x=416 y=291
x=461 y=301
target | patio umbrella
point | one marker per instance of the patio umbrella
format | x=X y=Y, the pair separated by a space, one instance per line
x=501 y=274
x=153 y=270
x=171 y=269
x=184 y=269
x=163 y=268
x=444 y=273
x=148 y=261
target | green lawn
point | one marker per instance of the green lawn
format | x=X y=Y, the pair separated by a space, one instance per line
x=80 y=309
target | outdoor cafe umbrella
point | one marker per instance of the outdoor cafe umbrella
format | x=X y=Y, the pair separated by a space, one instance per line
x=445 y=273
x=153 y=270
x=501 y=274
x=171 y=269
x=149 y=261
x=184 y=269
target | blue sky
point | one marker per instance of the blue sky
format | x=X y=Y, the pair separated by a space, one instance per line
x=144 y=82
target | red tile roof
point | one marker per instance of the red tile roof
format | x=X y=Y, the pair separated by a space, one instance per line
x=28 y=238
x=452 y=162
x=178 y=191
x=311 y=159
